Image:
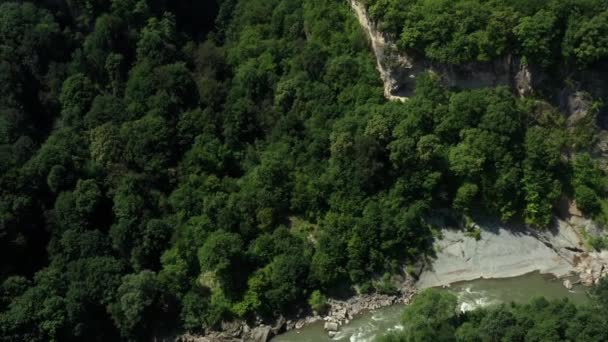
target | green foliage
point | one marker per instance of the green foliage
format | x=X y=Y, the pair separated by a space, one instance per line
x=154 y=241
x=136 y=304
x=541 y=175
x=12 y=287
x=432 y=316
x=105 y=109
x=194 y=307
x=157 y=41
x=474 y=232
x=589 y=182
x=465 y=196
x=222 y=253
x=586 y=200
x=463 y=31
x=318 y=302
x=56 y=180
x=77 y=210
x=386 y=285
x=537 y=36
x=161 y=170
x=77 y=95
x=597 y=242
x=456 y=31
x=600 y=293
x=31 y=39
x=146 y=143
x=585 y=41
x=281 y=281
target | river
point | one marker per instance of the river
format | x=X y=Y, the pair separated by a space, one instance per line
x=471 y=294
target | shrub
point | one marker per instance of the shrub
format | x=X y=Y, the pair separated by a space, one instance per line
x=318 y=302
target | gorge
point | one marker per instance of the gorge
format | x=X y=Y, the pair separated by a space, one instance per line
x=510 y=252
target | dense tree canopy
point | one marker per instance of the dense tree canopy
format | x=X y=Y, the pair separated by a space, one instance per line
x=545 y=32
x=167 y=165
x=434 y=315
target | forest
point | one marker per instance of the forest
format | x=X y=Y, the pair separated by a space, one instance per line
x=169 y=165
x=550 y=33
x=433 y=316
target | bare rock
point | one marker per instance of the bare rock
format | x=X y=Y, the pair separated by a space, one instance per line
x=259 y=334
x=523 y=81
x=290 y=325
x=577 y=105
x=567 y=284
x=232 y=328
x=279 y=326
x=587 y=279
x=191 y=338
x=340 y=314
x=331 y=326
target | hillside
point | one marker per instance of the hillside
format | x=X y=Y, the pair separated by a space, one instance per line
x=173 y=167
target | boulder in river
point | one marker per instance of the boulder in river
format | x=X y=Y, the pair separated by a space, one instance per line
x=331 y=326
x=567 y=284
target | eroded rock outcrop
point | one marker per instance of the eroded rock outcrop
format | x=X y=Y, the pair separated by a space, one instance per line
x=394 y=68
x=591 y=267
x=399 y=71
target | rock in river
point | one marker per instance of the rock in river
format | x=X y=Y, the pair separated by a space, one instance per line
x=331 y=326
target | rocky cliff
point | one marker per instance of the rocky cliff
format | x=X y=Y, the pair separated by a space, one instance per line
x=562 y=86
x=399 y=70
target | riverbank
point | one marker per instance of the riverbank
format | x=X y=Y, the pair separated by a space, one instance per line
x=339 y=314
x=471 y=295
x=501 y=252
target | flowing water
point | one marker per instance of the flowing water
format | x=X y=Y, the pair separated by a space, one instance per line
x=471 y=295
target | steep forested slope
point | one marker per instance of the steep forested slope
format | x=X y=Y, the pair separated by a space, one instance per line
x=171 y=164
x=550 y=33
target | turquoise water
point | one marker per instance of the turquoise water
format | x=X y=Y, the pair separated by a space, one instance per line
x=471 y=295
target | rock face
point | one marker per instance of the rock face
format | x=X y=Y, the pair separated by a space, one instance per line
x=576 y=104
x=500 y=253
x=592 y=267
x=508 y=251
x=399 y=71
x=233 y=328
x=234 y=331
x=523 y=81
x=259 y=334
x=602 y=149
x=279 y=326
x=393 y=67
